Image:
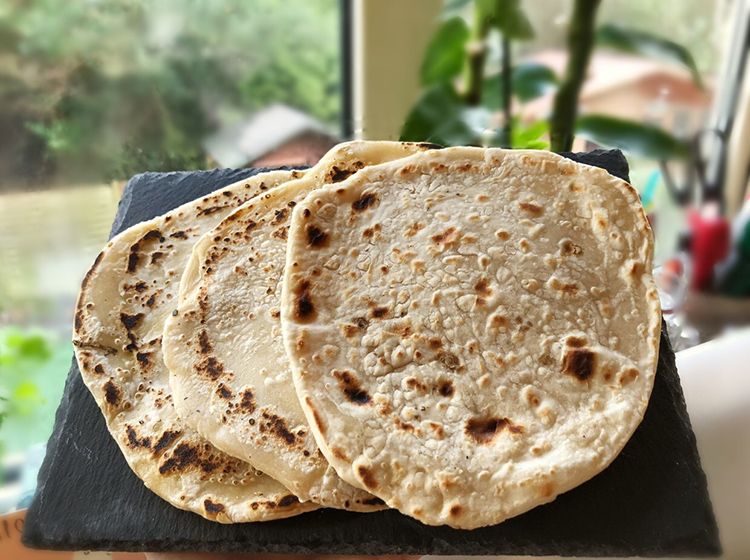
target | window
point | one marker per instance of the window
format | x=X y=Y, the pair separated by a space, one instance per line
x=95 y=91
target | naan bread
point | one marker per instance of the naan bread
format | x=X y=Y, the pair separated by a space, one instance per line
x=472 y=332
x=228 y=316
x=120 y=314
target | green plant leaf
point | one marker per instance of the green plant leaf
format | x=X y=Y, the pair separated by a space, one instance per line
x=26 y=391
x=30 y=385
x=529 y=137
x=508 y=17
x=17 y=345
x=529 y=81
x=633 y=137
x=12 y=339
x=35 y=347
x=439 y=116
x=640 y=42
x=492 y=92
x=532 y=80
x=444 y=57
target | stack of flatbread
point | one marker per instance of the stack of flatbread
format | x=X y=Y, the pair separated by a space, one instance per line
x=461 y=334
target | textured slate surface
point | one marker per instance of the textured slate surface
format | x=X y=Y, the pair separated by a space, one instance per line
x=652 y=500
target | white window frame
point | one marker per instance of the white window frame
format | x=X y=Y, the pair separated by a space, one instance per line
x=388 y=43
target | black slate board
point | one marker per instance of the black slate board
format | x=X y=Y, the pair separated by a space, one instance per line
x=652 y=500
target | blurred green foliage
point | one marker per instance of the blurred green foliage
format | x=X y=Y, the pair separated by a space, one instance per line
x=88 y=88
x=439 y=116
x=444 y=57
x=507 y=16
x=453 y=113
x=528 y=81
x=640 y=139
x=32 y=366
x=449 y=114
x=635 y=41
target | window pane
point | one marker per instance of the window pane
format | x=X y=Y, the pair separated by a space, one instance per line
x=95 y=91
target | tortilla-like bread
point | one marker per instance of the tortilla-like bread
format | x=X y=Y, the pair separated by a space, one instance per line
x=472 y=332
x=120 y=314
x=228 y=314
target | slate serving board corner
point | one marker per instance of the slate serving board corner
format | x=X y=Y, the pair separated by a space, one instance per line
x=652 y=501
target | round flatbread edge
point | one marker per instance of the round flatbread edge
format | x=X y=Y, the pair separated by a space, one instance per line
x=299 y=300
x=118 y=320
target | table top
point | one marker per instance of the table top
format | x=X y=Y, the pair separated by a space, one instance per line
x=715 y=377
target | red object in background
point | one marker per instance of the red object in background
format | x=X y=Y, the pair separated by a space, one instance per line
x=710 y=244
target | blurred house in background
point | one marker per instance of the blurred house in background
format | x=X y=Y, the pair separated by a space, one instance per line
x=276 y=135
x=633 y=88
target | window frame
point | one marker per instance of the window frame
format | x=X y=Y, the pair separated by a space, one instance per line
x=382 y=46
